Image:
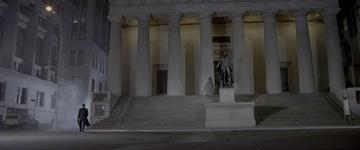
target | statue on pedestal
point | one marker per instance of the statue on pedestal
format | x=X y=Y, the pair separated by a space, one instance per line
x=225 y=69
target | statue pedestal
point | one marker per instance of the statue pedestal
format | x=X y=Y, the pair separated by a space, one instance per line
x=228 y=113
x=227 y=95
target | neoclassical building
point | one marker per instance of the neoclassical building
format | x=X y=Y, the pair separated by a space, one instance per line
x=172 y=46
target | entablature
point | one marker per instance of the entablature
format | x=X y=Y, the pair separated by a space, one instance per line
x=133 y=8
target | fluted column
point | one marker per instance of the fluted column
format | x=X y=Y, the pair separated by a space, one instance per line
x=175 y=84
x=334 y=56
x=114 y=74
x=142 y=74
x=273 y=77
x=243 y=69
x=206 y=53
x=306 y=73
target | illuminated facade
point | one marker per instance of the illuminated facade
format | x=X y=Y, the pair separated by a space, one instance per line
x=170 y=47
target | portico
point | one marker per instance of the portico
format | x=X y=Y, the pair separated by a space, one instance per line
x=180 y=36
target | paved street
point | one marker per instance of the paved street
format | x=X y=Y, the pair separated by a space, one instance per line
x=345 y=139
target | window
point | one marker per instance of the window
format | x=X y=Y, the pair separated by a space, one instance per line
x=72 y=58
x=39 y=50
x=53 y=101
x=54 y=56
x=40 y=99
x=100 y=87
x=93 y=61
x=103 y=63
x=2 y=91
x=92 y=85
x=80 y=58
x=21 y=96
x=75 y=26
x=100 y=65
x=83 y=18
x=24 y=9
x=42 y=21
x=20 y=42
x=96 y=62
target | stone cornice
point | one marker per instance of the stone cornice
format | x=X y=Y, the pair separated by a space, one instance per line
x=330 y=11
x=231 y=6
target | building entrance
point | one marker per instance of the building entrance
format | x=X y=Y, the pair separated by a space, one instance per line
x=161 y=82
x=284 y=70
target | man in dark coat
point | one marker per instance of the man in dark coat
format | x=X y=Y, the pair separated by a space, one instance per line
x=82 y=118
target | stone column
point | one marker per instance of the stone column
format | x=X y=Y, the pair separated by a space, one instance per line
x=306 y=73
x=206 y=54
x=142 y=72
x=114 y=74
x=175 y=84
x=273 y=77
x=8 y=46
x=243 y=70
x=334 y=55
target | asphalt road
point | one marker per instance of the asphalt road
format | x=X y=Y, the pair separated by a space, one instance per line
x=332 y=139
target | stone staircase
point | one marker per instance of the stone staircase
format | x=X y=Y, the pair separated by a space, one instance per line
x=163 y=112
x=296 y=110
x=188 y=112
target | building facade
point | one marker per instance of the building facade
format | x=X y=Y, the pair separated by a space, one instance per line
x=349 y=31
x=275 y=46
x=31 y=45
x=52 y=62
x=86 y=56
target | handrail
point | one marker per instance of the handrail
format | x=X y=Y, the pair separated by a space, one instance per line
x=342 y=105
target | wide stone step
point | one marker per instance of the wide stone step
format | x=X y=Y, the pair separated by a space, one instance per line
x=189 y=112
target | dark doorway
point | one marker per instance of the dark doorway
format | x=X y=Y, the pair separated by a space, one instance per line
x=161 y=82
x=284 y=79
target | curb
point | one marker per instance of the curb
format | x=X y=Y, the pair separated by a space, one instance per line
x=229 y=129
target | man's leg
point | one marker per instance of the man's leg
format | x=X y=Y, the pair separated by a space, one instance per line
x=79 y=123
x=82 y=126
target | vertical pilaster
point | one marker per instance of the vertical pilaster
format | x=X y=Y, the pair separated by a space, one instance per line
x=142 y=72
x=273 y=77
x=8 y=45
x=175 y=84
x=243 y=69
x=306 y=73
x=206 y=54
x=30 y=42
x=114 y=70
x=334 y=55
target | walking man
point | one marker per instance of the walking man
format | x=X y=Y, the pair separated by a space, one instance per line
x=82 y=118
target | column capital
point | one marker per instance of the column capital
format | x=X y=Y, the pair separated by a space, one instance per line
x=175 y=16
x=301 y=12
x=116 y=19
x=204 y=15
x=270 y=12
x=330 y=11
x=143 y=17
x=238 y=14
